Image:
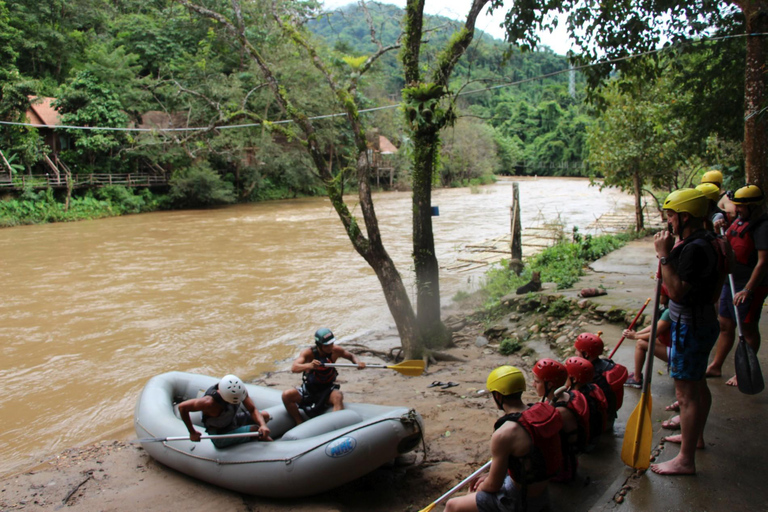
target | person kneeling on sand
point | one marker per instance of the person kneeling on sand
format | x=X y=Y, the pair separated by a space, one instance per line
x=318 y=381
x=227 y=409
x=526 y=452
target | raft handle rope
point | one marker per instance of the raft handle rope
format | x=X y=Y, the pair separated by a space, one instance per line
x=403 y=419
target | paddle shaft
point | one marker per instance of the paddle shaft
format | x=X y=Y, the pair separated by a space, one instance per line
x=186 y=438
x=630 y=328
x=458 y=486
x=410 y=368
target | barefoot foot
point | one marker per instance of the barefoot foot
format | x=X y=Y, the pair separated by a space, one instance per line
x=732 y=382
x=672 y=424
x=673 y=467
x=674 y=406
x=713 y=372
x=677 y=439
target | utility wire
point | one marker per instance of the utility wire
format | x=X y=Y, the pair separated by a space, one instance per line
x=387 y=107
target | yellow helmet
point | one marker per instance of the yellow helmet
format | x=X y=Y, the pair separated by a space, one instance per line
x=747 y=195
x=687 y=200
x=710 y=191
x=713 y=176
x=507 y=380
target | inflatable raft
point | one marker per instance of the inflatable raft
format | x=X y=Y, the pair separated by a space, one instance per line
x=320 y=454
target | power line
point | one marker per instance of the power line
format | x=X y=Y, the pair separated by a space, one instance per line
x=385 y=107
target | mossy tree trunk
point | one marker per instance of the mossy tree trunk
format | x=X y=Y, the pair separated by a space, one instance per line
x=428 y=109
x=756 y=94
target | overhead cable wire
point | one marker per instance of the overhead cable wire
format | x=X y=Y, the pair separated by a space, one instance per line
x=385 y=107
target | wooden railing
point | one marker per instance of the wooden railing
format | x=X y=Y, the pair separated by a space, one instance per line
x=61 y=180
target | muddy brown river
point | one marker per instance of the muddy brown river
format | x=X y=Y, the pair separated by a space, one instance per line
x=89 y=311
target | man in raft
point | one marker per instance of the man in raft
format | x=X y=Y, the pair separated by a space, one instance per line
x=222 y=408
x=525 y=447
x=318 y=381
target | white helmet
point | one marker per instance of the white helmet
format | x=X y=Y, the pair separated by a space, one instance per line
x=232 y=389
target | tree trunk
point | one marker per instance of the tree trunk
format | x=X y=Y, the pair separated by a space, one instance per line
x=755 y=130
x=433 y=332
x=638 y=189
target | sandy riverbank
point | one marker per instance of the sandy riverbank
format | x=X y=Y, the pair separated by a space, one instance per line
x=116 y=475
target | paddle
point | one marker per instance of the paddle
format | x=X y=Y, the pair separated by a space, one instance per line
x=186 y=438
x=630 y=327
x=411 y=367
x=636 y=449
x=456 y=488
x=749 y=377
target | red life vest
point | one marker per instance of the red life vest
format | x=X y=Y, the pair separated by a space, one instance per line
x=616 y=376
x=577 y=404
x=543 y=424
x=742 y=242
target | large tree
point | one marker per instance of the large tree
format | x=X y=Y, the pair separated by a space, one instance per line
x=429 y=108
x=343 y=87
x=615 y=29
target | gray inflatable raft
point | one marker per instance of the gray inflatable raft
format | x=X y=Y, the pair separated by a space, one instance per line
x=320 y=454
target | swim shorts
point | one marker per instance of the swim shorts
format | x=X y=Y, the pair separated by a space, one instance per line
x=749 y=310
x=690 y=350
x=509 y=499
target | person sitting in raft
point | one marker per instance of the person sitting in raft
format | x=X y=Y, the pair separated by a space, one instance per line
x=549 y=377
x=222 y=407
x=581 y=375
x=660 y=349
x=318 y=381
x=609 y=376
x=526 y=452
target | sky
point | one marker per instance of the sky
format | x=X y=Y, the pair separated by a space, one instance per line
x=457 y=9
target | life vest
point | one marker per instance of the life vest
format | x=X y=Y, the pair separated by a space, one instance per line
x=323 y=376
x=614 y=375
x=742 y=242
x=543 y=424
x=577 y=404
x=224 y=421
x=598 y=409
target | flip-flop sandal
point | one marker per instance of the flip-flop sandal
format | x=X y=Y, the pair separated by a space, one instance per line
x=436 y=383
x=671 y=425
x=448 y=385
x=674 y=406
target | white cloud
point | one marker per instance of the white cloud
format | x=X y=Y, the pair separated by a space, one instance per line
x=457 y=9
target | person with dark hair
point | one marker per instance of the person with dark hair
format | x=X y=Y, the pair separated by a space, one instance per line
x=526 y=452
x=227 y=409
x=748 y=236
x=693 y=275
x=318 y=386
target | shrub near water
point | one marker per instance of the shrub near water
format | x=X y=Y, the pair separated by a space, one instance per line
x=41 y=207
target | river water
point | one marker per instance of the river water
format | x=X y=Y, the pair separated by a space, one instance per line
x=89 y=311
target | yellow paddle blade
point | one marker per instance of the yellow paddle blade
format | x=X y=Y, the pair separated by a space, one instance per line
x=411 y=367
x=636 y=450
x=428 y=507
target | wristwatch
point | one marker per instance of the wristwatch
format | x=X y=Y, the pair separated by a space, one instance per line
x=663 y=260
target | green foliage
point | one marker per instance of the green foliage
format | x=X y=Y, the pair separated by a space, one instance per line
x=509 y=346
x=559 y=308
x=199 y=186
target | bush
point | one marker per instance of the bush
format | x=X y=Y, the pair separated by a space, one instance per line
x=509 y=346
x=560 y=308
x=200 y=186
